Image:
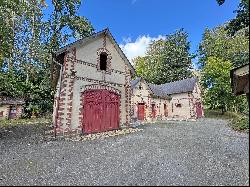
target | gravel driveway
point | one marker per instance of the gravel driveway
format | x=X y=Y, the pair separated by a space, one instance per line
x=205 y=152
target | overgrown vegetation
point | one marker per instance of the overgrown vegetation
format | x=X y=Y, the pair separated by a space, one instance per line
x=237 y=121
x=29 y=33
x=223 y=48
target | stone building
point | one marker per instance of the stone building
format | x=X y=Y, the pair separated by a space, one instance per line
x=92 y=77
x=175 y=100
x=11 y=108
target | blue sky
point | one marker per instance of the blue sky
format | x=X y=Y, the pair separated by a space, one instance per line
x=135 y=23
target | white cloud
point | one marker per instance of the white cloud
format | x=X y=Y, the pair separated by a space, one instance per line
x=138 y=47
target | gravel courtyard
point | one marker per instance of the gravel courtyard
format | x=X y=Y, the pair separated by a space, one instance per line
x=205 y=152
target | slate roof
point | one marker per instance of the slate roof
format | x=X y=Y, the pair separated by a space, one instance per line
x=181 y=86
x=164 y=90
x=135 y=81
x=157 y=90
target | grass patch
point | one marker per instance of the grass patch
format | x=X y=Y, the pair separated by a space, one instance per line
x=237 y=121
x=19 y=122
x=218 y=115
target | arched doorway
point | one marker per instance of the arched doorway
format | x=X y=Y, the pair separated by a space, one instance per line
x=101 y=110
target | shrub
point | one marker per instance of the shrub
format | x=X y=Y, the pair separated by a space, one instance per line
x=240 y=123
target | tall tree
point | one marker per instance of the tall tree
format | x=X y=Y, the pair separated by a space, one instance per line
x=218 y=43
x=64 y=23
x=215 y=79
x=166 y=60
x=219 y=52
x=242 y=17
x=27 y=40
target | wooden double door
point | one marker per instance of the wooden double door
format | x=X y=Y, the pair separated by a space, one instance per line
x=101 y=111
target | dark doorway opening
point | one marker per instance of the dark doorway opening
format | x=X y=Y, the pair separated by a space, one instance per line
x=103 y=61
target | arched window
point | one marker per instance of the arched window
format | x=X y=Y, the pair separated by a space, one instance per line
x=103 y=61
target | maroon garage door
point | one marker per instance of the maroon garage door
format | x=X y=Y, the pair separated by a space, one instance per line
x=101 y=111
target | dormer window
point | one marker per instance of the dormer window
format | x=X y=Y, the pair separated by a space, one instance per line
x=103 y=61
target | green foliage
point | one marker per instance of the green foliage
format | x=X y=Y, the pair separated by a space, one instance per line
x=241 y=20
x=64 y=17
x=241 y=123
x=218 y=115
x=28 y=37
x=237 y=121
x=222 y=49
x=217 y=50
x=218 y=43
x=215 y=78
x=166 y=60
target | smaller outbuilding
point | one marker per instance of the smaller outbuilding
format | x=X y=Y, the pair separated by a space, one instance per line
x=179 y=100
x=11 y=108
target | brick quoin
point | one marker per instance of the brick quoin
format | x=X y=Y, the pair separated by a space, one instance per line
x=60 y=109
x=69 y=80
x=61 y=104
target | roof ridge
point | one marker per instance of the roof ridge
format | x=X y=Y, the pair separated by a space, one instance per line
x=179 y=80
x=112 y=40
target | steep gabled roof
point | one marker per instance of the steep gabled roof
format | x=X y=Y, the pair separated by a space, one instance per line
x=83 y=41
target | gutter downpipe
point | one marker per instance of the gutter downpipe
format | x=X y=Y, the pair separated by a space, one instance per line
x=58 y=98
